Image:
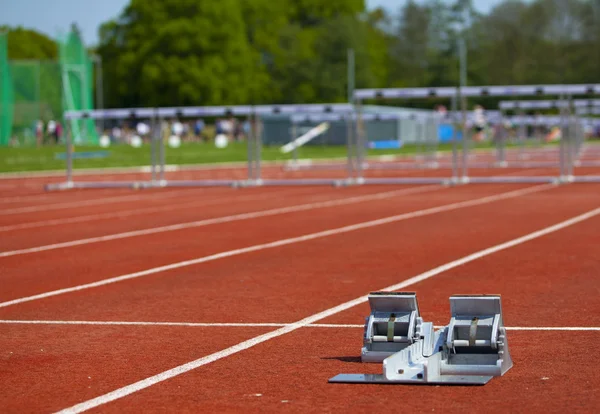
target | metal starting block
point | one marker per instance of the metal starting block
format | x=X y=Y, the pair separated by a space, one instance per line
x=393 y=325
x=471 y=350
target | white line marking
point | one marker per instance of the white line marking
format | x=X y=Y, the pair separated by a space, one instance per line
x=93 y=202
x=256 y=325
x=554 y=328
x=181 y=369
x=135 y=323
x=224 y=219
x=36 y=197
x=128 y=213
x=279 y=243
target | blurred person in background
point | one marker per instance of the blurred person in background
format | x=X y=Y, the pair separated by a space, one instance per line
x=219 y=127
x=199 y=129
x=246 y=128
x=228 y=127
x=58 y=132
x=480 y=123
x=143 y=131
x=238 y=130
x=441 y=111
x=116 y=134
x=177 y=128
x=39 y=132
x=51 y=128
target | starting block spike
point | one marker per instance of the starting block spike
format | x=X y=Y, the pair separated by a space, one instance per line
x=394 y=324
x=471 y=350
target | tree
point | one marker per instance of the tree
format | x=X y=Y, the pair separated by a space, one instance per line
x=182 y=52
x=178 y=52
x=29 y=44
x=409 y=48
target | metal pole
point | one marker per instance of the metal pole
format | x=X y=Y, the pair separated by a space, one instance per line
x=360 y=144
x=161 y=151
x=257 y=149
x=99 y=88
x=153 y=140
x=454 y=138
x=419 y=135
x=349 y=141
x=571 y=139
x=562 y=148
x=351 y=75
x=463 y=104
x=431 y=139
x=249 y=143
x=522 y=133
x=69 y=155
x=293 y=131
x=84 y=102
x=435 y=137
x=38 y=92
x=501 y=141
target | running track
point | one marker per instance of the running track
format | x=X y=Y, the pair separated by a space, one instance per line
x=218 y=299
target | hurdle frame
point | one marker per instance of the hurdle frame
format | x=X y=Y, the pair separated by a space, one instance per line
x=575 y=107
x=485 y=91
x=158 y=162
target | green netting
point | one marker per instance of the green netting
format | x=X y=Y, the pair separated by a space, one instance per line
x=77 y=81
x=37 y=88
x=6 y=94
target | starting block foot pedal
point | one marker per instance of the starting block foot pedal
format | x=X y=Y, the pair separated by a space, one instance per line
x=394 y=324
x=471 y=350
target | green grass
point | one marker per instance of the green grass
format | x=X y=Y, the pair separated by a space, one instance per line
x=42 y=159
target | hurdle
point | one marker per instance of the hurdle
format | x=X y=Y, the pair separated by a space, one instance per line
x=356 y=161
x=360 y=95
x=576 y=107
x=158 y=159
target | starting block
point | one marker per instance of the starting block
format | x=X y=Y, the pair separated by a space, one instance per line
x=394 y=324
x=470 y=350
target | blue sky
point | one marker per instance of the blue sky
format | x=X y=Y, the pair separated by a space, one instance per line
x=53 y=16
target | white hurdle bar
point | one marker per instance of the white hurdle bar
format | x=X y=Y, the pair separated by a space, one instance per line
x=548 y=104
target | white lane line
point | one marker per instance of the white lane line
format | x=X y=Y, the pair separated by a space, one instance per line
x=258 y=325
x=223 y=219
x=93 y=202
x=282 y=242
x=136 y=323
x=127 y=213
x=44 y=197
x=181 y=369
x=554 y=328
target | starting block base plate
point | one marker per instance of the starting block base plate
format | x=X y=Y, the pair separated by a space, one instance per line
x=380 y=379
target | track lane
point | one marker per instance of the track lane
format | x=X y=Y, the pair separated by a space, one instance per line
x=93 y=262
x=349 y=270
x=181 y=210
x=508 y=215
x=43 y=367
x=307 y=357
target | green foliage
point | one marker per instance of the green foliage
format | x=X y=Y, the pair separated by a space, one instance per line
x=6 y=93
x=184 y=52
x=190 y=52
x=29 y=44
x=178 y=52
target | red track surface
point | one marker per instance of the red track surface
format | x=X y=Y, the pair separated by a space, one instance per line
x=550 y=281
